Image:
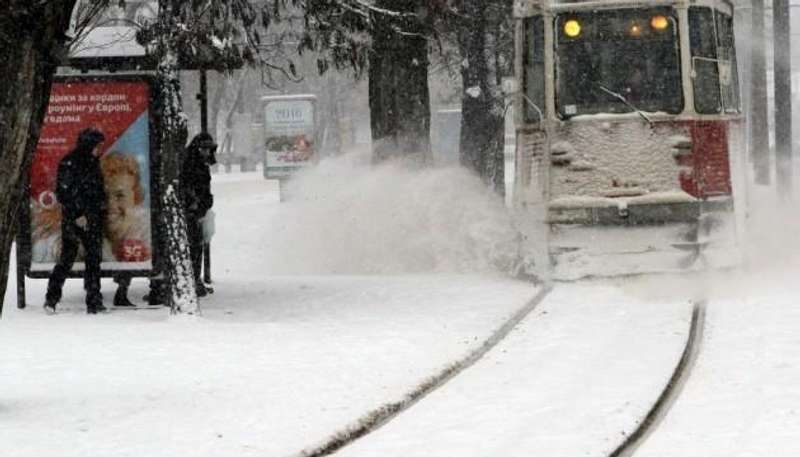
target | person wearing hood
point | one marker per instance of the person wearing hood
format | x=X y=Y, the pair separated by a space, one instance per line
x=80 y=191
x=196 y=197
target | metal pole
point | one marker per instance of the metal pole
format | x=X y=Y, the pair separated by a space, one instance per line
x=783 y=96
x=759 y=129
x=203 y=96
x=21 y=304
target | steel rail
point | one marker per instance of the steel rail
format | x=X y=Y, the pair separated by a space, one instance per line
x=673 y=388
x=379 y=417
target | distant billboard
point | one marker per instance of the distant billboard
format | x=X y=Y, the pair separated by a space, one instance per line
x=289 y=134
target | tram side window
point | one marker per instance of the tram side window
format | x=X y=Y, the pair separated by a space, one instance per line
x=705 y=72
x=533 y=65
x=729 y=76
x=716 y=84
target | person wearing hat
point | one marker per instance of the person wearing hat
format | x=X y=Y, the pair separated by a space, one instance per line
x=81 y=193
x=196 y=197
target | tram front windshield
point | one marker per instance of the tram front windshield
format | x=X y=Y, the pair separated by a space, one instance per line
x=618 y=61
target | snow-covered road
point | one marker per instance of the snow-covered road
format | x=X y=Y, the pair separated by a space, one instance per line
x=571 y=380
x=743 y=398
x=356 y=289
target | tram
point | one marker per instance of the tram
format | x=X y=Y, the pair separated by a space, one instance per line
x=629 y=134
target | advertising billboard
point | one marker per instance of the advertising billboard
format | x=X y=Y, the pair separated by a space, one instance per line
x=120 y=108
x=289 y=134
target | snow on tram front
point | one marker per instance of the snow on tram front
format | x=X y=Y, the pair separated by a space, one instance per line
x=629 y=133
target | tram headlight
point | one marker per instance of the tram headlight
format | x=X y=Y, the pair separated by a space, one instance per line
x=572 y=28
x=635 y=30
x=659 y=22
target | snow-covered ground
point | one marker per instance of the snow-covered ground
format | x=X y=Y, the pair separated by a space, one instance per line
x=362 y=284
x=272 y=366
x=743 y=398
x=571 y=380
x=327 y=306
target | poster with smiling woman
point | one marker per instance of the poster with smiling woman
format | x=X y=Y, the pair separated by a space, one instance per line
x=120 y=108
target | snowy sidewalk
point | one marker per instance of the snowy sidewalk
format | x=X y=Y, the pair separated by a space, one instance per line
x=297 y=342
x=572 y=380
x=271 y=367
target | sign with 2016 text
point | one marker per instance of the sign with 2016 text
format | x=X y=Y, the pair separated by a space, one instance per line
x=289 y=128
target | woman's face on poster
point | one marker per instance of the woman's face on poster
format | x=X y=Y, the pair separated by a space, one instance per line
x=121 y=202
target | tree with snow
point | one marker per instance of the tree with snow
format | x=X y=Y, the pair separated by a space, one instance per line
x=388 y=38
x=216 y=34
x=33 y=43
x=220 y=34
x=481 y=33
x=392 y=39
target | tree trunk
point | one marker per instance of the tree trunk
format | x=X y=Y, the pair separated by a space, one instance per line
x=216 y=104
x=399 y=99
x=181 y=291
x=32 y=41
x=482 y=122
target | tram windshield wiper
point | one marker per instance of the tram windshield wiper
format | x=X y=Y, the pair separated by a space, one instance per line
x=624 y=100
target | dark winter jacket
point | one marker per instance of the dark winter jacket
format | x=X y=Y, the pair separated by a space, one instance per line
x=196 y=177
x=79 y=184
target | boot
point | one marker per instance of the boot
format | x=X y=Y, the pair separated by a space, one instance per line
x=49 y=307
x=96 y=308
x=156 y=296
x=201 y=289
x=154 y=299
x=121 y=298
x=94 y=303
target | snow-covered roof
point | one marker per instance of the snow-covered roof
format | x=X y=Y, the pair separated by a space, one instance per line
x=116 y=41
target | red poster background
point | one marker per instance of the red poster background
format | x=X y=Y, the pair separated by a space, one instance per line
x=117 y=108
x=110 y=106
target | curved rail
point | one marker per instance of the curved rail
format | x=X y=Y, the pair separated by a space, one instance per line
x=672 y=391
x=379 y=417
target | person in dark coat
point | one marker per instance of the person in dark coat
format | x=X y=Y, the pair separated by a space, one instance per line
x=81 y=193
x=196 y=197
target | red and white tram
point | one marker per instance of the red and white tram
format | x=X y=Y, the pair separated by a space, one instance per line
x=629 y=133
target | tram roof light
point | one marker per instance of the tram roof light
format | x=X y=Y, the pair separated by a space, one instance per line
x=572 y=28
x=659 y=22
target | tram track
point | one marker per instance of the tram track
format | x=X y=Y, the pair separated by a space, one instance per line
x=384 y=414
x=379 y=417
x=672 y=390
